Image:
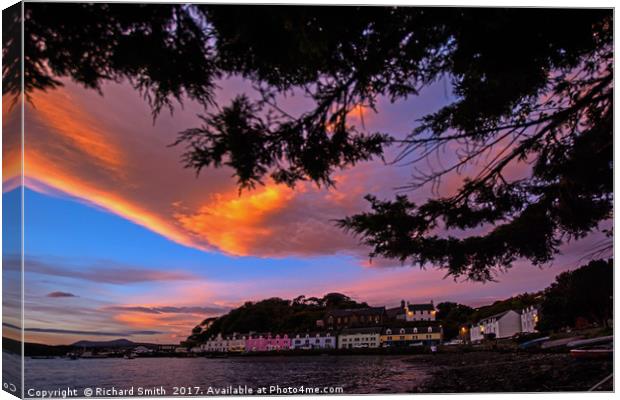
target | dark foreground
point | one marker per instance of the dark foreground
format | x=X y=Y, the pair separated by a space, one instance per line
x=454 y=372
x=487 y=371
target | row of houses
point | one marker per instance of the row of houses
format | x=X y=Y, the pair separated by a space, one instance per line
x=347 y=338
x=378 y=316
x=503 y=325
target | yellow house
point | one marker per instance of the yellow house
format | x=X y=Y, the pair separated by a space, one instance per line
x=402 y=336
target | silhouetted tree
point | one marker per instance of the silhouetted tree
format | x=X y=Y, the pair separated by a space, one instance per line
x=452 y=316
x=585 y=293
x=531 y=85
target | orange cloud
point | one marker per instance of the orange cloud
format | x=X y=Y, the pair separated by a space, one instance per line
x=78 y=130
x=232 y=222
x=106 y=151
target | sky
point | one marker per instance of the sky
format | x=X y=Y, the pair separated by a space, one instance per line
x=122 y=241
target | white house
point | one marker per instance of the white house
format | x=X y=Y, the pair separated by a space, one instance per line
x=355 y=338
x=502 y=325
x=476 y=333
x=323 y=340
x=413 y=312
x=529 y=319
x=216 y=344
x=420 y=312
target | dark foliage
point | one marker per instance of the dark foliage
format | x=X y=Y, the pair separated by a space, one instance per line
x=530 y=85
x=516 y=303
x=452 y=316
x=585 y=293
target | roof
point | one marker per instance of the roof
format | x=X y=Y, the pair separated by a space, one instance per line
x=302 y=335
x=368 y=330
x=425 y=306
x=395 y=330
x=393 y=312
x=356 y=311
x=495 y=316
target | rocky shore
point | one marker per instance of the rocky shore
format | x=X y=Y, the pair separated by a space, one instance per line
x=489 y=371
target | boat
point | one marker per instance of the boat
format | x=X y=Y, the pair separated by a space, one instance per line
x=558 y=342
x=591 y=342
x=592 y=353
x=129 y=356
x=533 y=343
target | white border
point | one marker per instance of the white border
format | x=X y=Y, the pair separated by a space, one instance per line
x=479 y=3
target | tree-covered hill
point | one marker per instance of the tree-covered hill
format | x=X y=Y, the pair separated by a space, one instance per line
x=273 y=315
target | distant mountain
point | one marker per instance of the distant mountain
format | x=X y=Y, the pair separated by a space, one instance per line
x=109 y=343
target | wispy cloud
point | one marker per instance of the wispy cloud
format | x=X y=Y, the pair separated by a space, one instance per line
x=169 y=309
x=100 y=272
x=85 y=333
x=60 y=294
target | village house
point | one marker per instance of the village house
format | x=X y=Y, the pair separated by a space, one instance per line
x=354 y=317
x=306 y=341
x=355 y=338
x=236 y=343
x=502 y=325
x=216 y=344
x=267 y=342
x=401 y=336
x=412 y=312
x=529 y=319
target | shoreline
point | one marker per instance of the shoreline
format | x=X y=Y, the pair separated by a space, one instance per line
x=519 y=372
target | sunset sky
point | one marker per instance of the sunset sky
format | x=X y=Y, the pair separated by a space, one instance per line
x=122 y=241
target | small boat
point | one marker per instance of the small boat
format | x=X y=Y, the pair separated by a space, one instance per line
x=590 y=342
x=534 y=343
x=558 y=342
x=593 y=353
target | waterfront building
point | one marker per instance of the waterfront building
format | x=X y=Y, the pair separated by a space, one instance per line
x=307 y=341
x=502 y=325
x=354 y=338
x=406 y=336
x=354 y=317
x=236 y=343
x=267 y=342
x=529 y=319
x=167 y=348
x=215 y=344
x=476 y=333
x=142 y=350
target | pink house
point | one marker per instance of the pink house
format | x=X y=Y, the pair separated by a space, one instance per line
x=267 y=342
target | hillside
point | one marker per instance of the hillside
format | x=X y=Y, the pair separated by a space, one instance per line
x=106 y=344
x=274 y=314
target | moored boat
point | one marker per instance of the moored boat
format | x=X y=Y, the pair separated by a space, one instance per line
x=591 y=342
x=593 y=353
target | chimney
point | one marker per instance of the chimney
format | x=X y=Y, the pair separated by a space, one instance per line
x=402 y=304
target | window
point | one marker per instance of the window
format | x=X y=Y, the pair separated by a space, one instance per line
x=415 y=330
x=402 y=331
x=402 y=338
x=388 y=332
